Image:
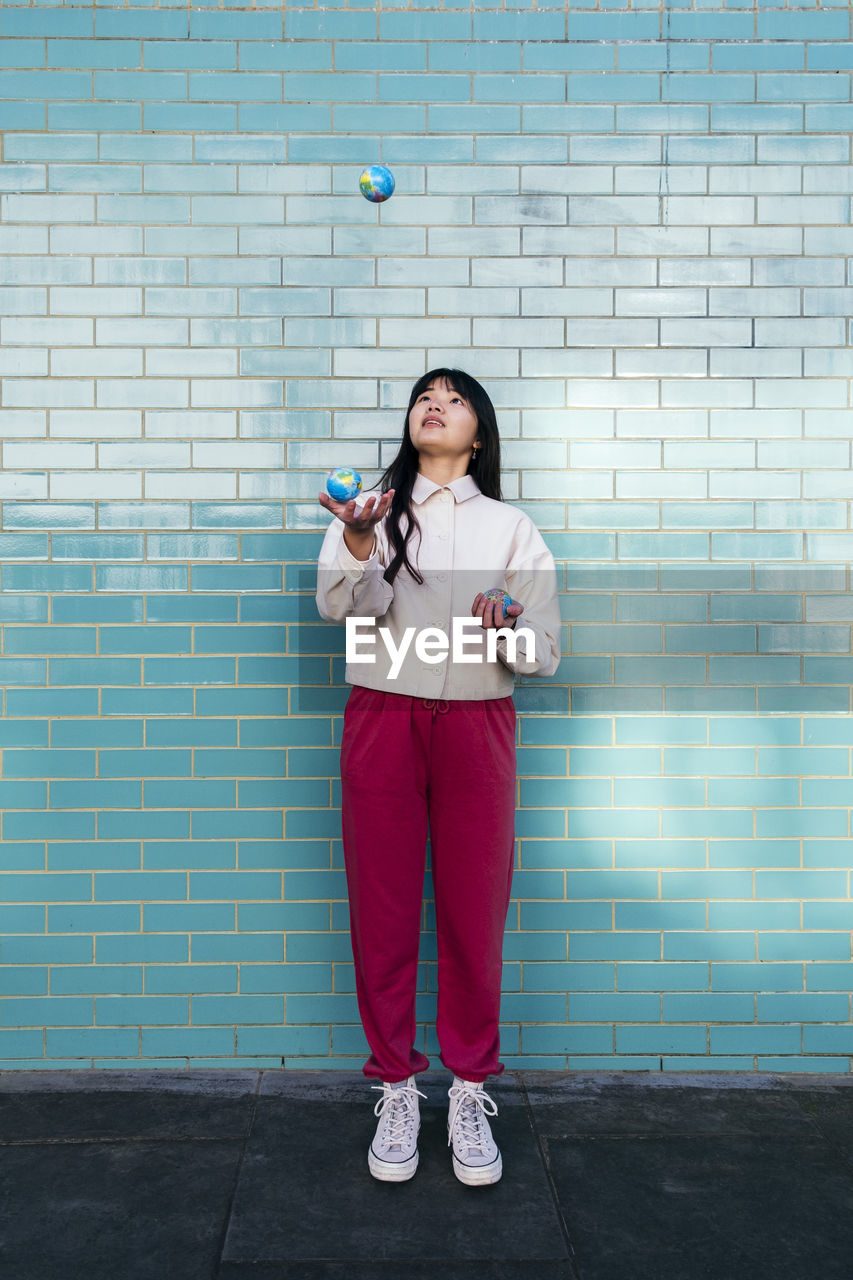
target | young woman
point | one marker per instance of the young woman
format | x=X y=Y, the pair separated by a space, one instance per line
x=429 y=741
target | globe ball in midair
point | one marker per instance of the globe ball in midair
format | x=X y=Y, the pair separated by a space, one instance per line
x=343 y=483
x=377 y=183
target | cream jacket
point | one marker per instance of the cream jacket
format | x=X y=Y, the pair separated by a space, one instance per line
x=468 y=543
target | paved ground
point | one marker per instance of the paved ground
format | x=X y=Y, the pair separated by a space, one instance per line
x=249 y=1175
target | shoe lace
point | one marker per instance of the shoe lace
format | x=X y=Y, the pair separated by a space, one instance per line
x=401 y=1107
x=469 y=1106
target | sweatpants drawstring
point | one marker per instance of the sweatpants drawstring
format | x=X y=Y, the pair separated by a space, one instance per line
x=436 y=704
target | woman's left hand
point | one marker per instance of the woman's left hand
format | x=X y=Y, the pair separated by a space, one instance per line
x=491 y=614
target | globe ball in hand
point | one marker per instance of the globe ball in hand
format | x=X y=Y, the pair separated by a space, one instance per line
x=500 y=597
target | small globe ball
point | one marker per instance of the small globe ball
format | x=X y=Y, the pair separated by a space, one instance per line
x=377 y=183
x=500 y=597
x=343 y=483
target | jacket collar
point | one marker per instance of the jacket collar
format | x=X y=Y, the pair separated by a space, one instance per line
x=463 y=488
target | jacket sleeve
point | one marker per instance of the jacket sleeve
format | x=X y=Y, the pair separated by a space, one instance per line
x=531 y=580
x=348 y=587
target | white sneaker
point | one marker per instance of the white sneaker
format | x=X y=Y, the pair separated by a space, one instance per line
x=393 y=1154
x=476 y=1159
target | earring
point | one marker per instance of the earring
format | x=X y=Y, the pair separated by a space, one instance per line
x=474 y=454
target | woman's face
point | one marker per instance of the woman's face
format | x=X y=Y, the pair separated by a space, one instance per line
x=442 y=423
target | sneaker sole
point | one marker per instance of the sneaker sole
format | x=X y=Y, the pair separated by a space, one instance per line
x=482 y=1175
x=390 y=1171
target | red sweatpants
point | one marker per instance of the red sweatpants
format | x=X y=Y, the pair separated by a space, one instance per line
x=407 y=761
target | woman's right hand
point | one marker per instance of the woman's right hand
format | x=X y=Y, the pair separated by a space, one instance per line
x=360 y=519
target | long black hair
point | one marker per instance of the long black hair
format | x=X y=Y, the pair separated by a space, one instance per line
x=484 y=466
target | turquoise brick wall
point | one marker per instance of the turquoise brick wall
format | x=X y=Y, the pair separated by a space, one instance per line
x=633 y=223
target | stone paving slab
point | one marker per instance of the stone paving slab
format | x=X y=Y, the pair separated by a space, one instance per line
x=303 y=1194
x=409 y=1270
x=122 y=1115
x=687 y=1208
x=624 y=1105
x=126 y=1209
